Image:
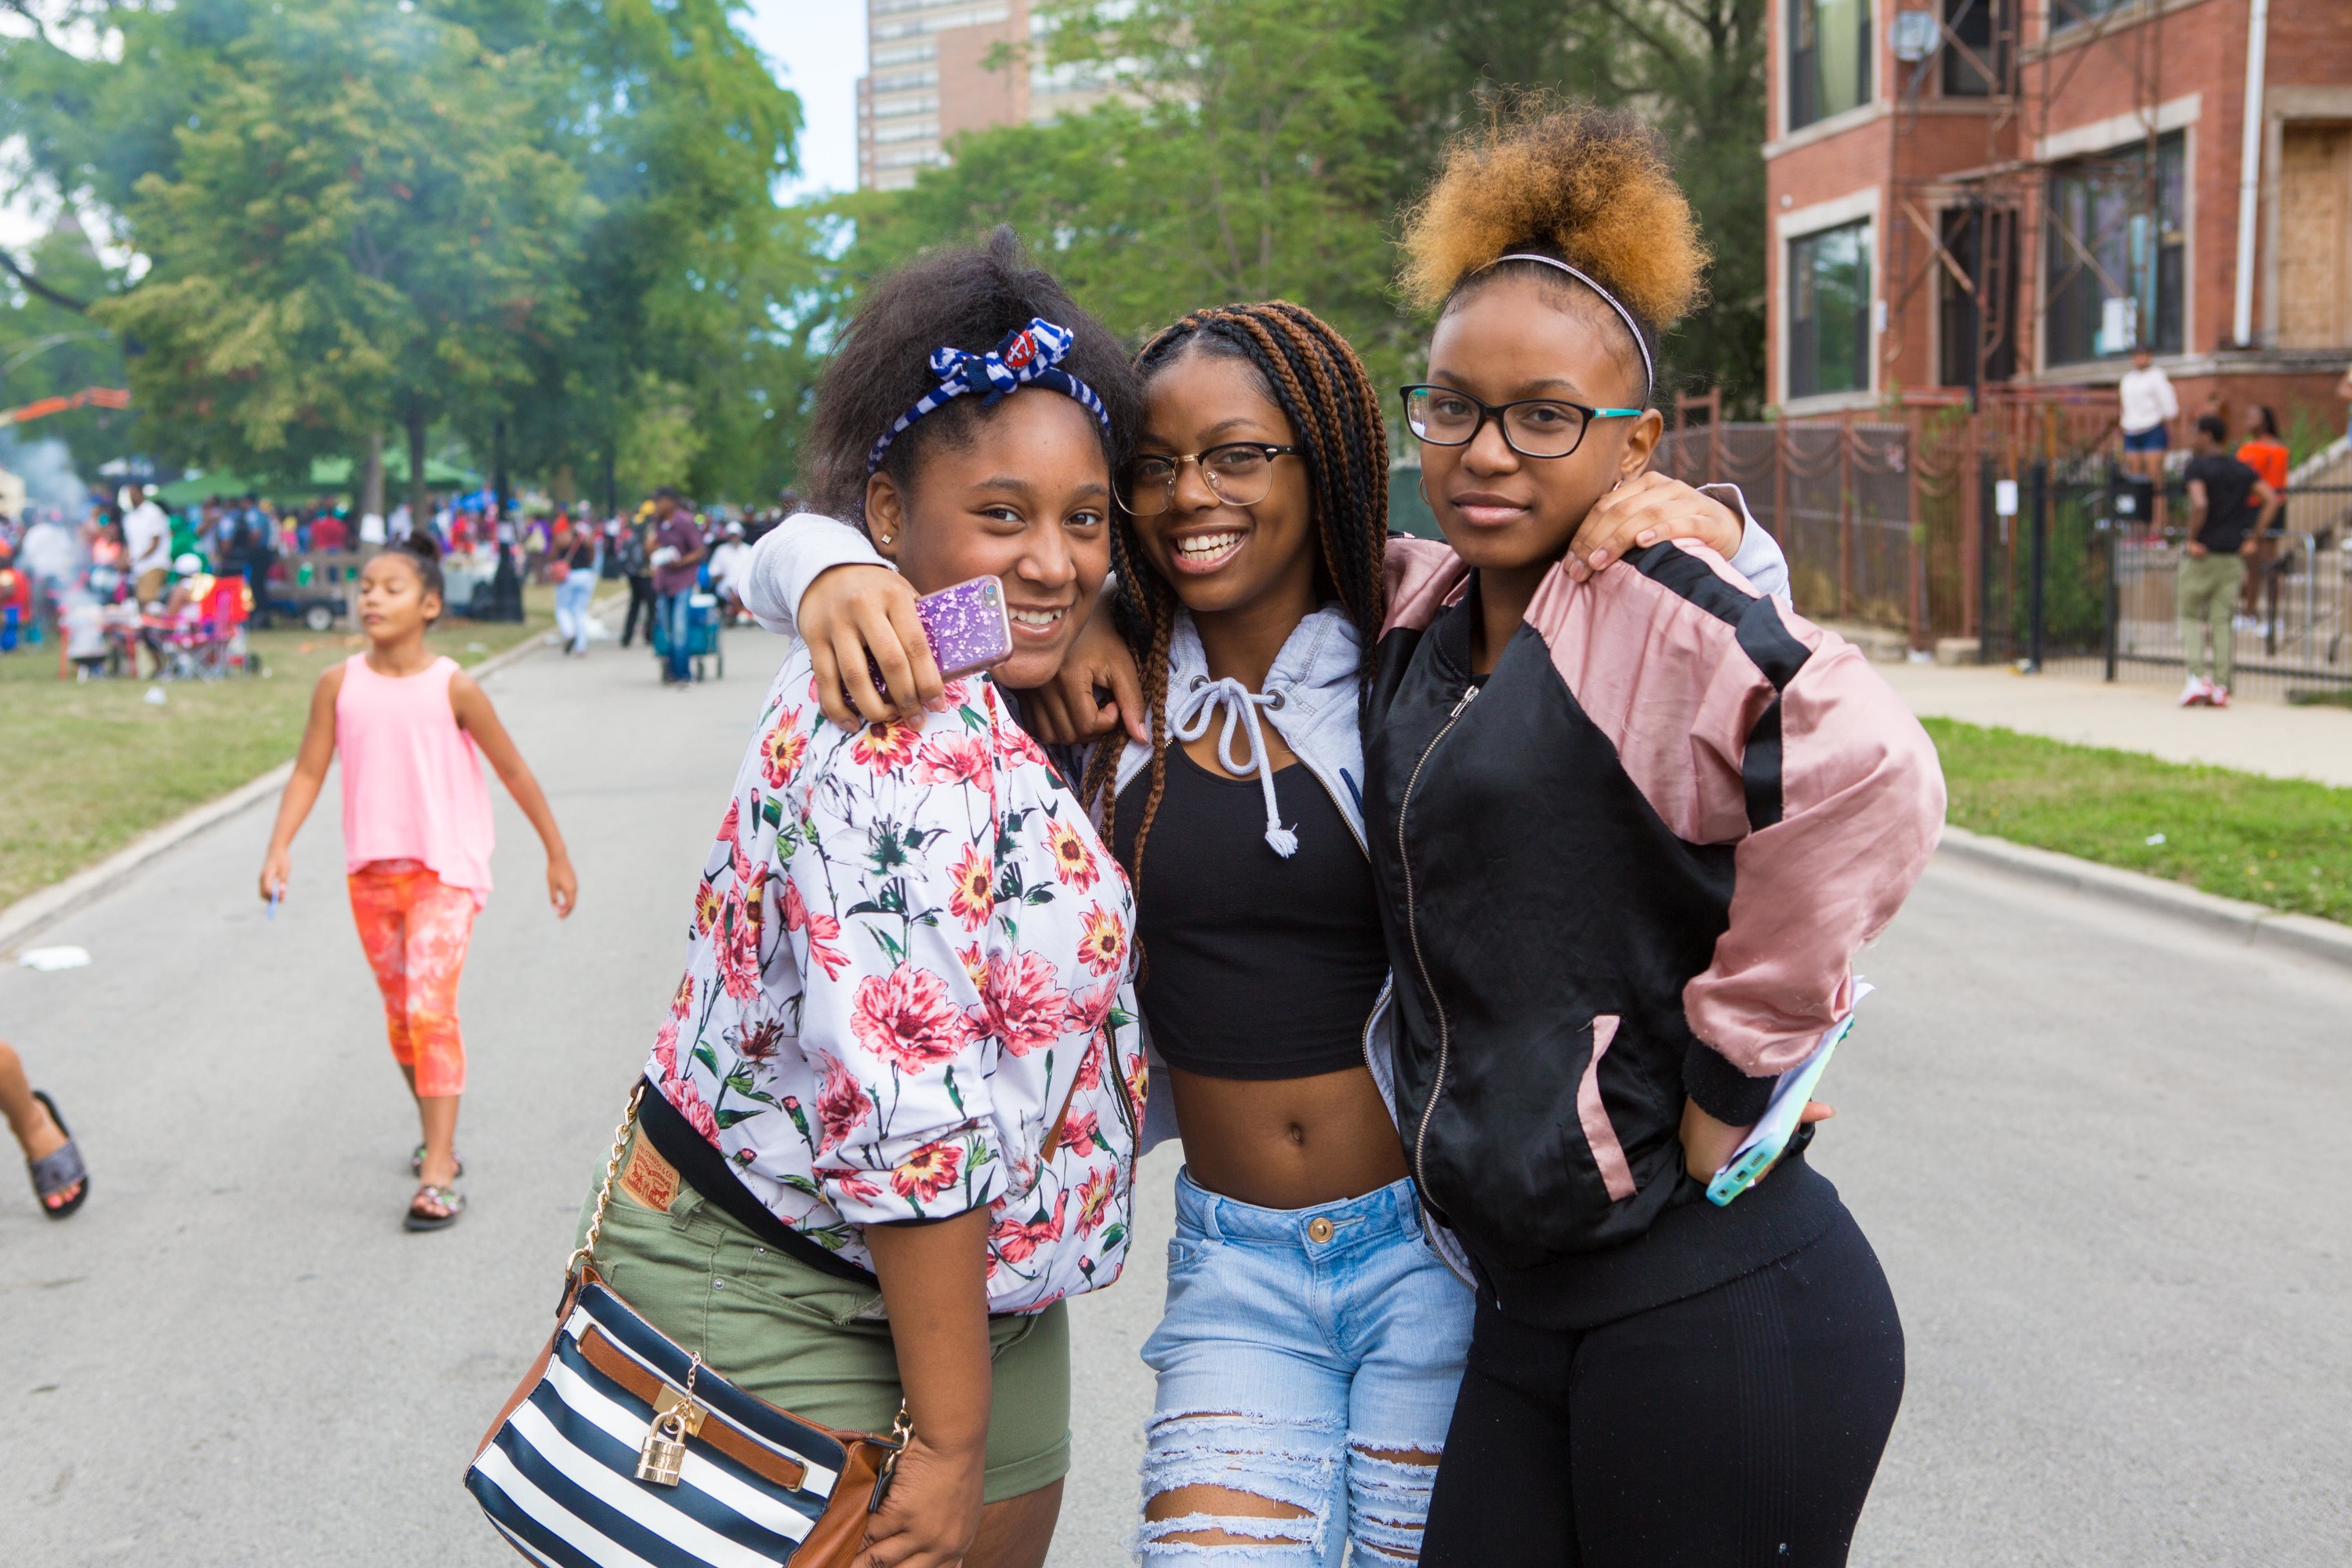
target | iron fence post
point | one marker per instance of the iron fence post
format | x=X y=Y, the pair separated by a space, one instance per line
x=1988 y=532
x=2115 y=568
x=2038 y=569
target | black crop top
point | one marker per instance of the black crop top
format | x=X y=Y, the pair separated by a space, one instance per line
x=1255 y=966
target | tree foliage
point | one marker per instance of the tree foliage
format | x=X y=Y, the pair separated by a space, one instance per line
x=508 y=217
x=1264 y=147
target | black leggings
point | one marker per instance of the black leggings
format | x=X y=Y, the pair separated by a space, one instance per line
x=1738 y=1427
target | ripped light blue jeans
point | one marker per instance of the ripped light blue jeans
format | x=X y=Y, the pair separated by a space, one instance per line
x=1304 y=1354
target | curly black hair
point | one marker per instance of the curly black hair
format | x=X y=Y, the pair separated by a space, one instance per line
x=967 y=299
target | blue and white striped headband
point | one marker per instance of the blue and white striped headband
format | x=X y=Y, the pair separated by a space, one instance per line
x=1029 y=357
x=1648 y=371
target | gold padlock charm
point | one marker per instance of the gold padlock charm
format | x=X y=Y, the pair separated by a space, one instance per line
x=663 y=1453
x=677 y=1417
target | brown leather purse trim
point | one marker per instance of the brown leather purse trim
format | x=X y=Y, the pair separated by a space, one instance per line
x=752 y=1455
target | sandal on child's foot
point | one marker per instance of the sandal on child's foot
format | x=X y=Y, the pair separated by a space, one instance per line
x=60 y=1180
x=435 y=1208
x=416 y=1163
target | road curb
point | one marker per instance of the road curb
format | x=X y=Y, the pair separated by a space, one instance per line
x=36 y=909
x=2255 y=924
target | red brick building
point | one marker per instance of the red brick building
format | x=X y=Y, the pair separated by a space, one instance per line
x=2016 y=192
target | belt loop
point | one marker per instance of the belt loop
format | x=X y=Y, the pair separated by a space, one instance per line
x=1208 y=1227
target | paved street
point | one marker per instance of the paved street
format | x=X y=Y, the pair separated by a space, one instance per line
x=2099 y=1152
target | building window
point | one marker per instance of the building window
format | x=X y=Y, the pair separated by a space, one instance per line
x=1982 y=242
x=1829 y=59
x=2117 y=253
x=2066 y=13
x=1977 y=24
x=1828 y=311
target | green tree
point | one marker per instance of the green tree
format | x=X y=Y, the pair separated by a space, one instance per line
x=362 y=227
x=48 y=349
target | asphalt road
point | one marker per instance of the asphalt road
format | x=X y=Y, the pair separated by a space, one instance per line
x=2099 y=1154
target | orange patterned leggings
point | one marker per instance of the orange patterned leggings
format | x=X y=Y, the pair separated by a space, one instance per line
x=414 y=928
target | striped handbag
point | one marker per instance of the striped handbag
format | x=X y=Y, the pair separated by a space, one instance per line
x=620 y=1450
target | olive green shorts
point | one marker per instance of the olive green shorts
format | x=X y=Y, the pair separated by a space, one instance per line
x=802 y=1338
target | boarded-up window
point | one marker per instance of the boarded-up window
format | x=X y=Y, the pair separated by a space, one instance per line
x=2315 y=269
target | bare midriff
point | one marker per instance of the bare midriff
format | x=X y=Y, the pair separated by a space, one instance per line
x=1287 y=1143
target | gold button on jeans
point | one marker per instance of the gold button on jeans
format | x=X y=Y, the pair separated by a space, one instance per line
x=1318 y=1230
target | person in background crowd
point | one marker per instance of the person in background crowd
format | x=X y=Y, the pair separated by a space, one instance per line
x=60 y=1180
x=2263 y=452
x=329 y=535
x=573 y=557
x=397 y=526
x=632 y=549
x=411 y=730
x=2231 y=508
x=257 y=556
x=147 y=535
x=677 y=560
x=726 y=562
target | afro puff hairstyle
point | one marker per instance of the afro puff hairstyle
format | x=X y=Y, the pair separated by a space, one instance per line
x=1589 y=186
x=968 y=299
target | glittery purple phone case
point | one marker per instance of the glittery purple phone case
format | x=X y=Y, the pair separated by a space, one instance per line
x=967 y=625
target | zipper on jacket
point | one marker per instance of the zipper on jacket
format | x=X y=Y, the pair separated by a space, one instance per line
x=1413 y=935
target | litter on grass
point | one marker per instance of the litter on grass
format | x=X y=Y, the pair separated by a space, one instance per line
x=2154 y=839
x=47 y=958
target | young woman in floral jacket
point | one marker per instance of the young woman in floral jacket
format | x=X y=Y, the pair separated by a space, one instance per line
x=893 y=1111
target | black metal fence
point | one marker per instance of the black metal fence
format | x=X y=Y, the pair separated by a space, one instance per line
x=2084 y=577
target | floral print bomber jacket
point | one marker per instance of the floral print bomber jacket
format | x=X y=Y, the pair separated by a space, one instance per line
x=908 y=992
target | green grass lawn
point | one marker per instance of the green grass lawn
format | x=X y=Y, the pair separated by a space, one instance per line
x=87 y=767
x=2279 y=842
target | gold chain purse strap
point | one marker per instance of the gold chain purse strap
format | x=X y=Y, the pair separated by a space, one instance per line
x=902 y=1429
x=586 y=1251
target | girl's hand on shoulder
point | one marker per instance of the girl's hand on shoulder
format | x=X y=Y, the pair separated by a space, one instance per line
x=1648 y=510
x=1065 y=712
x=933 y=1513
x=562 y=887
x=851 y=614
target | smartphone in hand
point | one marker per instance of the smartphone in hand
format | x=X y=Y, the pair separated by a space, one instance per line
x=966 y=626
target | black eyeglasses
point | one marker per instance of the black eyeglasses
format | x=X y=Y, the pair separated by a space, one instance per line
x=1531 y=427
x=1239 y=473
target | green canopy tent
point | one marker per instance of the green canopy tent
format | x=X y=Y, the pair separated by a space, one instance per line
x=328 y=477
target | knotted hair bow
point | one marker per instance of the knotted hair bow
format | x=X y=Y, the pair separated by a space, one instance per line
x=1031 y=356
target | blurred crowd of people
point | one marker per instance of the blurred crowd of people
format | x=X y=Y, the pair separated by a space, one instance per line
x=133 y=574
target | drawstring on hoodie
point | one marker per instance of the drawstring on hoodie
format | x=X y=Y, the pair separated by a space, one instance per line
x=1189 y=718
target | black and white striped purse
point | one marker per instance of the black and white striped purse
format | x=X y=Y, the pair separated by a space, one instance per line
x=619 y=1448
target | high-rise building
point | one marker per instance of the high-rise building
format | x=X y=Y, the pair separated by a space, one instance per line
x=937 y=68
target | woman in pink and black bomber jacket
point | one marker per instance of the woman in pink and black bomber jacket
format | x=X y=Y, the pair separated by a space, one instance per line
x=1629 y=832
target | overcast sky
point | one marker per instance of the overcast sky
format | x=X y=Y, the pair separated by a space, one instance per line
x=818 y=47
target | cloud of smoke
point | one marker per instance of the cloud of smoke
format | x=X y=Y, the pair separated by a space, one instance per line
x=47 y=470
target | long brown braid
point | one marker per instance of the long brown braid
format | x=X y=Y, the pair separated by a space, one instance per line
x=1321 y=387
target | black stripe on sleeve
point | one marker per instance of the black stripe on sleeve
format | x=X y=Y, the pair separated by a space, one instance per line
x=1759 y=769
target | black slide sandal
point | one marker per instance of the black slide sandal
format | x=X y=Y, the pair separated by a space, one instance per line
x=57 y=1171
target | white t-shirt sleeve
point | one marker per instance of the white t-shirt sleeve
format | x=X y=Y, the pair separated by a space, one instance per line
x=790 y=557
x=1759 y=558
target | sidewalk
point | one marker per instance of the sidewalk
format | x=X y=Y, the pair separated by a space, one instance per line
x=2254 y=737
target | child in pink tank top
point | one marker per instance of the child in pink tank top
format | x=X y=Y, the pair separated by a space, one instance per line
x=413 y=729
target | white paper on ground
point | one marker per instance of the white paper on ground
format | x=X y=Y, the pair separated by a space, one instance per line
x=55 y=958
